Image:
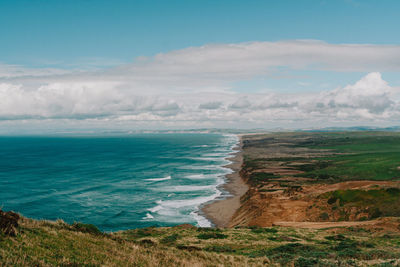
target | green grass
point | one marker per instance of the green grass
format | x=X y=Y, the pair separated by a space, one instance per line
x=259 y=177
x=375 y=202
x=170 y=239
x=325 y=157
x=348 y=156
x=211 y=236
x=260 y=230
x=364 y=156
x=365 y=197
x=87 y=228
x=42 y=243
x=361 y=166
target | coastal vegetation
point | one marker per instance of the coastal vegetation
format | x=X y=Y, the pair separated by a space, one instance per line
x=46 y=243
x=325 y=157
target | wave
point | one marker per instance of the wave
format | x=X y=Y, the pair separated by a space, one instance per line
x=159 y=179
x=156 y=208
x=178 y=210
x=201 y=220
x=202 y=176
x=148 y=216
x=218 y=154
x=203 y=167
x=207 y=158
x=171 y=206
x=186 y=188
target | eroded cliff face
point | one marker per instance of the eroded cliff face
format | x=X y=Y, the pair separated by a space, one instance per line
x=275 y=168
x=305 y=204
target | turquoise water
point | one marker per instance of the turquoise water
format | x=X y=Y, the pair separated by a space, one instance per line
x=115 y=183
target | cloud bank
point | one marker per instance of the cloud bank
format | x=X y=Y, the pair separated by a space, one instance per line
x=193 y=86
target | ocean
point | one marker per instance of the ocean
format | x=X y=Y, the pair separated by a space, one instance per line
x=115 y=183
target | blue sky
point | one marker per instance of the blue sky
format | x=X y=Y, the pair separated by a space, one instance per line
x=182 y=64
x=65 y=33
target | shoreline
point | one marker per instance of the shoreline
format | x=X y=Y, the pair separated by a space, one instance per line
x=220 y=211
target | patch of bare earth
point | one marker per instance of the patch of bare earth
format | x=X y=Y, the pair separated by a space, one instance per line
x=274 y=205
x=383 y=224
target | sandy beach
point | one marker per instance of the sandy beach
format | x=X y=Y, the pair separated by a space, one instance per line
x=221 y=211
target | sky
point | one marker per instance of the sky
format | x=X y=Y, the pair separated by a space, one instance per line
x=87 y=65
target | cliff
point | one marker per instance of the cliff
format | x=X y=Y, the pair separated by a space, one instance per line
x=319 y=177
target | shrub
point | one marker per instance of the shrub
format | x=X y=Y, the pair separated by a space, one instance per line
x=169 y=239
x=188 y=248
x=349 y=253
x=208 y=229
x=338 y=237
x=291 y=248
x=87 y=228
x=212 y=235
x=375 y=213
x=143 y=232
x=258 y=177
x=346 y=244
x=306 y=262
x=147 y=242
x=221 y=248
x=282 y=238
x=259 y=230
x=324 y=216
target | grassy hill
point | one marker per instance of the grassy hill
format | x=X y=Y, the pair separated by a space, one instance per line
x=45 y=243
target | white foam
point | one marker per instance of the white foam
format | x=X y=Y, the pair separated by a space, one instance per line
x=214 y=155
x=170 y=207
x=156 y=208
x=186 y=188
x=202 y=167
x=201 y=176
x=208 y=159
x=148 y=216
x=159 y=179
x=190 y=202
x=201 y=220
x=178 y=210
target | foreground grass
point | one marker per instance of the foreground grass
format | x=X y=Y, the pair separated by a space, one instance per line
x=42 y=243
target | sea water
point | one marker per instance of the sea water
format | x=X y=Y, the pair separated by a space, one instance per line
x=116 y=183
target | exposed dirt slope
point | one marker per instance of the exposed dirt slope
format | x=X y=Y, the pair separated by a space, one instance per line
x=278 y=196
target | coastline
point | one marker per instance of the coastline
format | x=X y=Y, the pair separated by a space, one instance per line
x=220 y=211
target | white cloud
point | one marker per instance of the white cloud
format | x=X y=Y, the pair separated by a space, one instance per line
x=371 y=93
x=241 y=103
x=193 y=86
x=221 y=62
x=211 y=105
x=15 y=71
x=371 y=98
